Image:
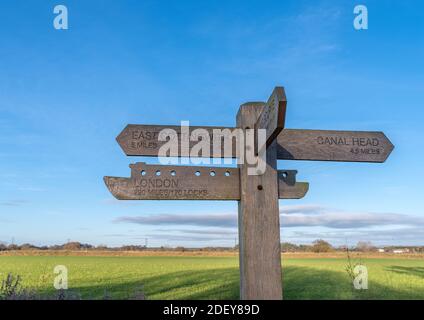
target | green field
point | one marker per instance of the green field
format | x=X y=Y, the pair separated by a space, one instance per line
x=188 y=277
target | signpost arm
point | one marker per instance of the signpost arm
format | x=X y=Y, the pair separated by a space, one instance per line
x=259 y=224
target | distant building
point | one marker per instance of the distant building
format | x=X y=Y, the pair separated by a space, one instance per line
x=406 y=250
x=381 y=250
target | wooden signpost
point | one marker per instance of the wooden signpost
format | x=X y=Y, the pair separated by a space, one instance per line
x=272 y=117
x=292 y=144
x=157 y=182
x=257 y=195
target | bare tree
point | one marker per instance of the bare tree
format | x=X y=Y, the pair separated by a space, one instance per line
x=365 y=246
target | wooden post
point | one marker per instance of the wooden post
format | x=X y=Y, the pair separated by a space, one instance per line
x=259 y=222
x=258 y=216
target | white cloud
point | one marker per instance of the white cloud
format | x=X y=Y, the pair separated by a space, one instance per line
x=392 y=236
x=300 y=223
x=215 y=220
x=339 y=219
x=291 y=216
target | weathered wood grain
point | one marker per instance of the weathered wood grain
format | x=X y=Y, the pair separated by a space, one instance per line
x=176 y=183
x=258 y=214
x=333 y=145
x=259 y=224
x=288 y=188
x=143 y=140
x=292 y=144
x=182 y=183
x=272 y=117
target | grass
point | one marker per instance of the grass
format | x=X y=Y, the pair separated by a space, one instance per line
x=214 y=277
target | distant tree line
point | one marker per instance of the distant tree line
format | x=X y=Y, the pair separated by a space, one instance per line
x=29 y=247
x=362 y=246
x=77 y=246
x=316 y=246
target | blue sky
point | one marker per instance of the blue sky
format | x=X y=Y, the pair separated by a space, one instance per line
x=66 y=94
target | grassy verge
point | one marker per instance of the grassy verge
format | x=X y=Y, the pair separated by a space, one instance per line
x=215 y=277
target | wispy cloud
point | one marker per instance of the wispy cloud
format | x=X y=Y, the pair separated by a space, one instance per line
x=313 y=216
x=291 y=216
x=304 y=209
x=215 y=220
x=396 y=236
x=282 y=43
x=200 y=234
x=203 y=231
x=188 y=238
x=13 y=203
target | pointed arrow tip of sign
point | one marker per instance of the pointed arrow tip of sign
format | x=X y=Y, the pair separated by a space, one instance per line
x=121 y=138
x=390 y=147
x=122 y=134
